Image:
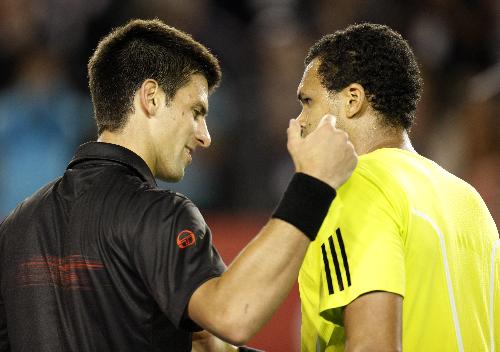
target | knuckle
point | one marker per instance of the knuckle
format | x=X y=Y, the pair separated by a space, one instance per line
x=336 y=135
x=327 y=126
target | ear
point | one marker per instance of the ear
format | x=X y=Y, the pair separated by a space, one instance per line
x=149 y=97
x=355 y=99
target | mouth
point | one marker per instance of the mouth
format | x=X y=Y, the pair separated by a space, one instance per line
x=189 y=153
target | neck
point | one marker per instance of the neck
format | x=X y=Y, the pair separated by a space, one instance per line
x=382 y=137
x=130 y=140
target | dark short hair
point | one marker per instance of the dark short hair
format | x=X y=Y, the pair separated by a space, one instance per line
x=140 y=50
x=379 y=59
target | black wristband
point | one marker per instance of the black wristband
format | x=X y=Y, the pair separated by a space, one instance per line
x=305 y=204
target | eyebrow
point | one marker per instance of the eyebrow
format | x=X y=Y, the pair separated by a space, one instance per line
x=202 y=107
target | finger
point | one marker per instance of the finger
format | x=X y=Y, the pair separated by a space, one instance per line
x=293 y=131
x=328 y=119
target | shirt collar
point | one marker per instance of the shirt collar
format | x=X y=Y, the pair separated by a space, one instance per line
x=113 y=152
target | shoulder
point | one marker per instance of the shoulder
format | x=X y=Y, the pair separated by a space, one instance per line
x=163 y=210
x=30 y=205
x=130 y=207
x=382 y=165
x=18 y=222
x=166 y=202
x=395 y=175
x=373 y=198
x=401 y=174
x=377 y=176
x=135 y=198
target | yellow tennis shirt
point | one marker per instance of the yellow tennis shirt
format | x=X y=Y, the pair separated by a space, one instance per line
x=403 y=224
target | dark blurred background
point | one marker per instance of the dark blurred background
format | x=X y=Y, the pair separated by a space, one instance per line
x=46 y=112
x=45 y=109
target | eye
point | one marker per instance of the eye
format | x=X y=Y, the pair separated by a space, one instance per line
x=197 y=114
x=305 y=101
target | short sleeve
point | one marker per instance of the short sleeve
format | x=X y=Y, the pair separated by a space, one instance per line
x=360 y=246
x=174 y=256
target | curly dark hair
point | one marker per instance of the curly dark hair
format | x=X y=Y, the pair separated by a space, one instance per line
x=379 y=59
x=140 y=50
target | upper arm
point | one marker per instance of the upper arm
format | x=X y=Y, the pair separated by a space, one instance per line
x=174 y=255
x=374 y=321
x=360 y=248
x=198 y=309
x=359 y=259
x=363 y=264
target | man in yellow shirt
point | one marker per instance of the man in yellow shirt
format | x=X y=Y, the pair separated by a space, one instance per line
x=408 y=256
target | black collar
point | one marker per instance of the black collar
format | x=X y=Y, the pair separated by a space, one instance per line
x=115 y=153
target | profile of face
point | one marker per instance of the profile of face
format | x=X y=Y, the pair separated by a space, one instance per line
x=315 y=99
x=179 y=127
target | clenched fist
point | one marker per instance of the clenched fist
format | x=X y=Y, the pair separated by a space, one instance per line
x=326 y=153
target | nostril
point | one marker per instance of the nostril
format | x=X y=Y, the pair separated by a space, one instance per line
x=204 y=142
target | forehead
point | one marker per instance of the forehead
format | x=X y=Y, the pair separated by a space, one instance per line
x=310 y=79
x=195 y=90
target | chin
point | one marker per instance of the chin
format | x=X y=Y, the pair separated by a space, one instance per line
x=171 y=176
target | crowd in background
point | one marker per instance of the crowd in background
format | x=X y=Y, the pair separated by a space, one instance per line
x=46 y=110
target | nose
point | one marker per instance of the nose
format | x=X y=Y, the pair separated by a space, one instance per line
x=202 y=135
x=302 y=119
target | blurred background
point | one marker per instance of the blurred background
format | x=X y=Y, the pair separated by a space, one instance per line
x=46 y=111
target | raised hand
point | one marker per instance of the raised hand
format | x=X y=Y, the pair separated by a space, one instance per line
x=326 y=153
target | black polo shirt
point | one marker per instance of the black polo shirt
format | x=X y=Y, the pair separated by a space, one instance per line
x=102 y=260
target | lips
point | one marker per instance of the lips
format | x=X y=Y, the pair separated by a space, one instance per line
x=189 y=152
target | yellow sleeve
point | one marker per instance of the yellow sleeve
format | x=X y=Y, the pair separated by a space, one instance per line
x=360 y=244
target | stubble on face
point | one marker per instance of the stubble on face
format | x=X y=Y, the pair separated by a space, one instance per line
x=316 y=100
x=178 y=139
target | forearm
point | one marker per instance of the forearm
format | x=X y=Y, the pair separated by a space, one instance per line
x=237 y=304
x=255 y=284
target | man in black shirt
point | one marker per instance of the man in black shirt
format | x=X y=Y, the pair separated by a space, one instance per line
x=103 y=260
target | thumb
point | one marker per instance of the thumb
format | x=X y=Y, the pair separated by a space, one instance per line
x=327 y=119
x=294 y=132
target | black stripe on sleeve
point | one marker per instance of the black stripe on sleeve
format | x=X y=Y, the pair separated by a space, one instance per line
x=327 y=270
x=336 y=263
x=344 y=256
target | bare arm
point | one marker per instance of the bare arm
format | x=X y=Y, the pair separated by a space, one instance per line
x=236 y=305
x=373 y=322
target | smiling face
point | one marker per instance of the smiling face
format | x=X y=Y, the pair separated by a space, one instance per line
x=315 y=99
x=180 y=127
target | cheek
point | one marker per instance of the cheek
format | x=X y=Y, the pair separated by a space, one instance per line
x=314 y=121
x=311 y=121
x=316 y=115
